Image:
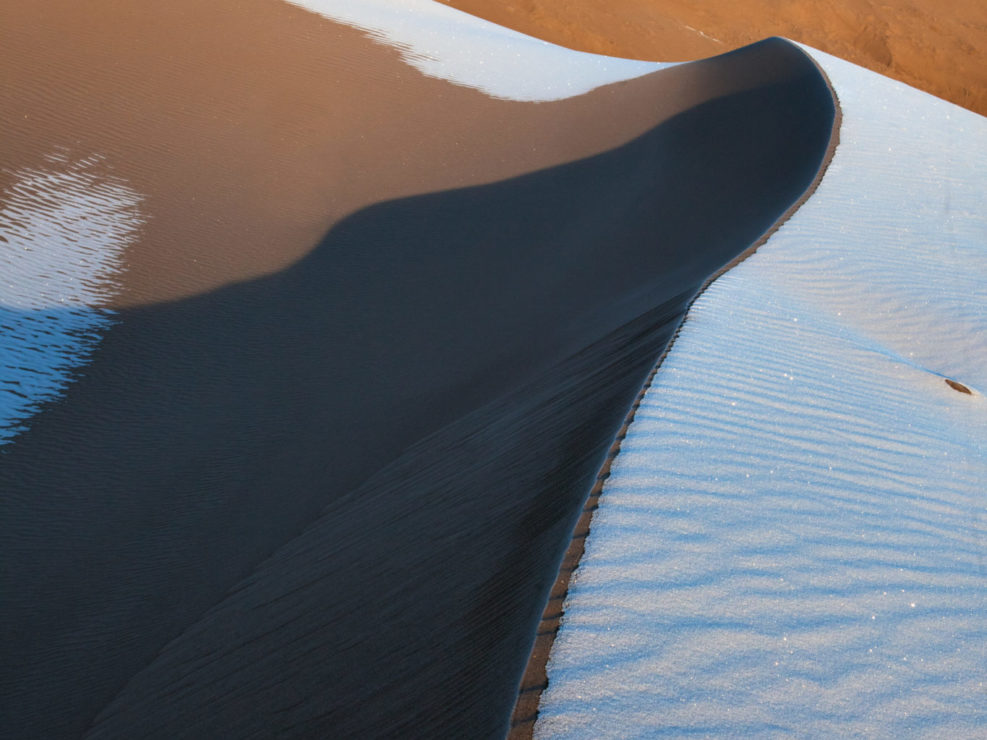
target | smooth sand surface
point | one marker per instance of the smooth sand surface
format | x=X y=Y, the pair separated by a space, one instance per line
x=369 y=352
x=937 y=47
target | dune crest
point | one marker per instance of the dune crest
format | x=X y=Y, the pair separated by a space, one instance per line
x=936 y=48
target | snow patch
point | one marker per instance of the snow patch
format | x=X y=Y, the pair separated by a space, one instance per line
x=63 y=230
x=451 y=45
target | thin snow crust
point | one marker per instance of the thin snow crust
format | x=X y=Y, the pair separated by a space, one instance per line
x=793 y=540
x=451 y=45
x=64 y=227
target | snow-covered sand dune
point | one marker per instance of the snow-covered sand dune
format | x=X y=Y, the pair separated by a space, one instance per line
x=793 y=539
x=381 y=320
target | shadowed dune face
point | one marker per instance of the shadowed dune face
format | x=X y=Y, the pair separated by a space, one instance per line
x=367 y=354
x=935 y=47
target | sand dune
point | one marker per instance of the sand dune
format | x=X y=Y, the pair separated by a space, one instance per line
x=351 y=382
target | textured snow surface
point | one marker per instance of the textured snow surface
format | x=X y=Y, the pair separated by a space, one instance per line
x=64 y=227
x=793 y=541
x=448 y=44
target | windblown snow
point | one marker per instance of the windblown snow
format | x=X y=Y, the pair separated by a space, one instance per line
x=793 y=541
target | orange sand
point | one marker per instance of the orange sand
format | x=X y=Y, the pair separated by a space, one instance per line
x=919 y=42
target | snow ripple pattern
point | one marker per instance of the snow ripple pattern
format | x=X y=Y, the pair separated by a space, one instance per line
x=793 y=540
x=63 y=230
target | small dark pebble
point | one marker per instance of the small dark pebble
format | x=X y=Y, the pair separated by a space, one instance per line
x=958 y=386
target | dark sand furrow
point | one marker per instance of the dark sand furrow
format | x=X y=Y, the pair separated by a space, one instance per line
x=413 y=408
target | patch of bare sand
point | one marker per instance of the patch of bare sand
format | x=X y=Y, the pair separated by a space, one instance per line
x=936 y=47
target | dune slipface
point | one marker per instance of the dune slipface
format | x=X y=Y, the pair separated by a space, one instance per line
x=350 y=350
